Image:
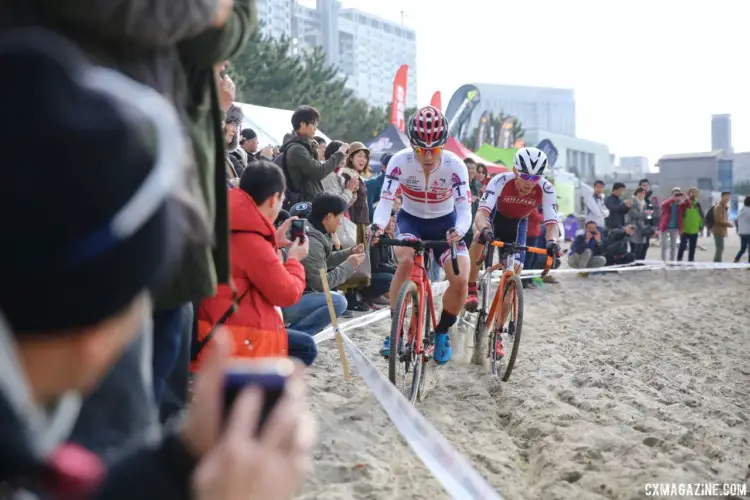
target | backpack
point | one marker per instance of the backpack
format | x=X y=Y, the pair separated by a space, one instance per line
x=291 y=195
x=708 y=220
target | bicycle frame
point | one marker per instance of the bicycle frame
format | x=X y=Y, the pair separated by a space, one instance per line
x=419 y=276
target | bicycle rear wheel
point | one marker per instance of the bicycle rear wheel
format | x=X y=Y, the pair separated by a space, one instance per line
x=508 y=330
x=404 y=364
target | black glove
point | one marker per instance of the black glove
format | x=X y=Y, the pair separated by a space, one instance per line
x=485 y=236
x=553 y=248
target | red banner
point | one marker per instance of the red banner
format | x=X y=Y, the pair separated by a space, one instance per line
x=398 y=104
x=436 y=100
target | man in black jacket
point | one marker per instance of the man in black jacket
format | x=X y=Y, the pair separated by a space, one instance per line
x=616 y=246
x=617 y=208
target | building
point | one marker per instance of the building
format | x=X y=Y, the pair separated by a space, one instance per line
x=721 y=132
x=276 y=16
x=636 y=165
x=741 y=172
x=709 y=172
x=541 y=108
x=587 y=160
x=368 y=50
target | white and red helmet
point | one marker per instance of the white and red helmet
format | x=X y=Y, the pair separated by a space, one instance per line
x=428 y=128
x=531 y=161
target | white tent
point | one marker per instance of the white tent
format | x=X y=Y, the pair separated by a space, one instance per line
x=270 y=124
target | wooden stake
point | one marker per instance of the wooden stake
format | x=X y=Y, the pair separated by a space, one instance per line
x=334 y=322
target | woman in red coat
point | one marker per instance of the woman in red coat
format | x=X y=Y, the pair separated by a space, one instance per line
x=264 y=278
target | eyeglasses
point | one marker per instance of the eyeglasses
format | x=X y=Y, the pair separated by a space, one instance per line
x=421 y=151
x=160 y=182
x=529 y=177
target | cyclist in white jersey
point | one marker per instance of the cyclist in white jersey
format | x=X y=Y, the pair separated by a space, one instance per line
x=436 y=206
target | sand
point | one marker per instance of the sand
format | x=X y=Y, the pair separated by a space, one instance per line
x=622 y=380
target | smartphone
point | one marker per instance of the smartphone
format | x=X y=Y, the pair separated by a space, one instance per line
x=269 y=374
x=298 y=230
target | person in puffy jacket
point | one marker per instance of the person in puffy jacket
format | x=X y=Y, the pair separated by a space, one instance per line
x=265 y=278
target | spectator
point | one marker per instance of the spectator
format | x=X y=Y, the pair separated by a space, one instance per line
x=263 y=281
x=233 y=166
x=743 y=228
x=358 y=167
x=587 y=249
x=721 y=224
x=305 y=171
x=616 y=246
x=120 y=410
x=49 y=360
x=692 y=225
x=383 y=265
x=333 y=183
x=636 y=217
x=322 y=144
x=596 y=210
x=208 y=99
x=324 y=220
x=670 y=224
x=534 y=238
x=482 y=178
x=249 y=147
x=310 y=314
x=617 y=207
x=648 y=203
x=375 y=184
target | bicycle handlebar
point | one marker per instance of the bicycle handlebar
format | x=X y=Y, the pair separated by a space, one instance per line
x=424 y=245
x=515 y=247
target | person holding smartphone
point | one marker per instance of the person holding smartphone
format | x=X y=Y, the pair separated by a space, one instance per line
x=588 y=249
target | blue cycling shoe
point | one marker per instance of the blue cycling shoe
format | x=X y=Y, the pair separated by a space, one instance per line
x=443 y=350
x=385 y=351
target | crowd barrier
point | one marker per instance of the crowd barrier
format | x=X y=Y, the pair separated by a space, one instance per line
x=454 y=472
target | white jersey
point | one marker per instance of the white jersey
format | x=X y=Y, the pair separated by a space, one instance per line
x=426 y=195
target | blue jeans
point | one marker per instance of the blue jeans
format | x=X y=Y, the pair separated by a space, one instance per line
x=302 y=346
x=310 y=314
x=120 y=414
x=172 y=330
x=380 y=283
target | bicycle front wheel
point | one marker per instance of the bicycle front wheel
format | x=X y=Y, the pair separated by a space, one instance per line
x=404 y=364
x=507 y=330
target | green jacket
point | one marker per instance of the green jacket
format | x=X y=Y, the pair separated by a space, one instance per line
x=203 y=267
x=692 y=221
x=321 y=255
x=305 y=171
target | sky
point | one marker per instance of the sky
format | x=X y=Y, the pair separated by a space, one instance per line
x=647 y=75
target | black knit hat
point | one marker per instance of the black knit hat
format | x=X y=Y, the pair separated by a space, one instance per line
x=85 y=224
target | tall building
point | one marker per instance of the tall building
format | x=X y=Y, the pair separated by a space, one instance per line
x=550 y=109
x=367 y=49
x=721 y=132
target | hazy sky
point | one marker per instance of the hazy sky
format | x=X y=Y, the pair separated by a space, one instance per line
x=647 y=75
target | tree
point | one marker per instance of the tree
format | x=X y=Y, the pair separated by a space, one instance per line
x=268 y=72
x=741 y=188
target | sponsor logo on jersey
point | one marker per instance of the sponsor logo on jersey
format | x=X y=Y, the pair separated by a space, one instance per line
x=548 y=187
x=412 y=181
x=520 y=200
x=456 y=180
x=395 y=173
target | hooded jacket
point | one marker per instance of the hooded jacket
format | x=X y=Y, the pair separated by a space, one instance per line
x=37 y=463
x=263 y=283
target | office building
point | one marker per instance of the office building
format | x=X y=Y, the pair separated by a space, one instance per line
x=549 y=109
x=721 y=132
x=367 y=50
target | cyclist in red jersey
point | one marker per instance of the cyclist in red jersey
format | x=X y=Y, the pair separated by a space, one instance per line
x=504 y=209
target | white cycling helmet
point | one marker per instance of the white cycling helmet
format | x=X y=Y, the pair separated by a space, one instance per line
x=530 y=161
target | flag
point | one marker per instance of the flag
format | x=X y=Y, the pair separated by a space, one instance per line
x=398 y=104
x=436 y=101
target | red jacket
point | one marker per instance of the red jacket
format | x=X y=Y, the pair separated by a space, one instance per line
x=256 y=326
x=534 y=225
x=666 y=213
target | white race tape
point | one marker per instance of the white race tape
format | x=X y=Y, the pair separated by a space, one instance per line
x=694 y=265
x=456 y=475
x=366 y=319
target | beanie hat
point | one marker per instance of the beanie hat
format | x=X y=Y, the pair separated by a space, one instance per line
x=235 y=115
x=89 y=231
x=248 y=134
